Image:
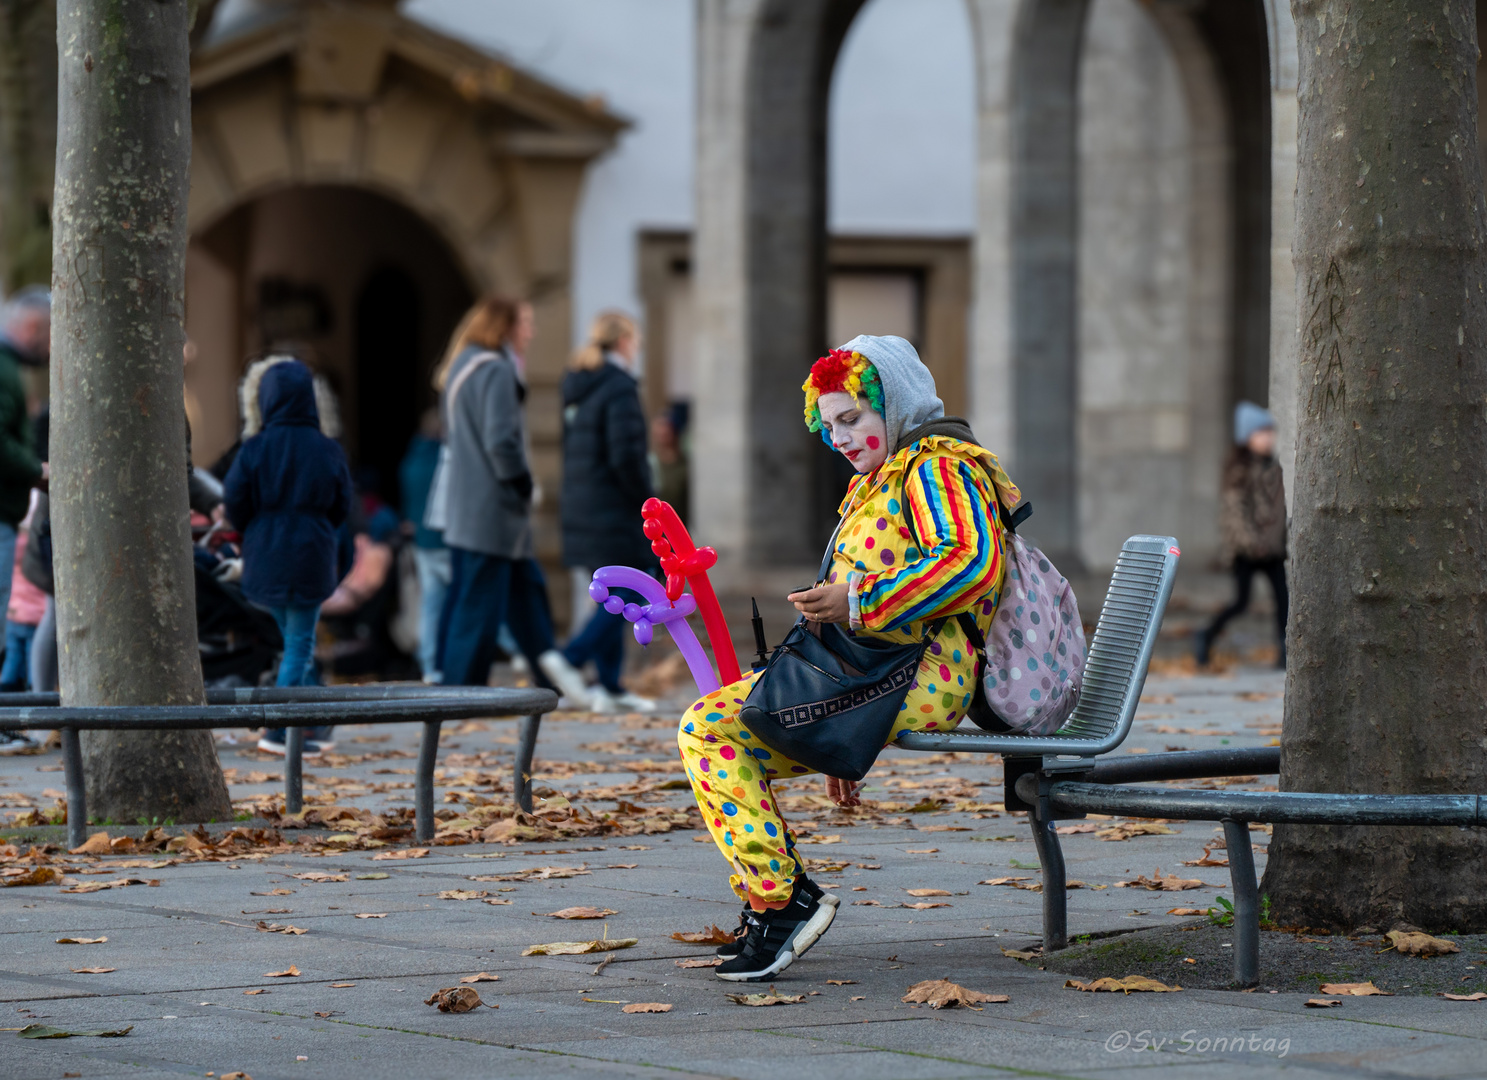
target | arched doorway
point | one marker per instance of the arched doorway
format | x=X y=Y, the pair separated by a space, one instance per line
x=362 y=285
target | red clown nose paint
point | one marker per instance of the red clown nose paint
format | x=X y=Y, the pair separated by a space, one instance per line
x=872 y=442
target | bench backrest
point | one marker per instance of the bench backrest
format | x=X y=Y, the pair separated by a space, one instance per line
x=1124 y=639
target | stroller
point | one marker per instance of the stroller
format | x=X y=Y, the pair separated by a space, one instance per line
x=239 y=643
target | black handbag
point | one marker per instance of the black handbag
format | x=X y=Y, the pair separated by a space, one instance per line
x=828 y=699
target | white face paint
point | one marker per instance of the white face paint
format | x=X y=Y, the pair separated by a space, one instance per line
x=855 y=429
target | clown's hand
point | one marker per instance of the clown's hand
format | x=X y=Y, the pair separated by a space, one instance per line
x=843 y=792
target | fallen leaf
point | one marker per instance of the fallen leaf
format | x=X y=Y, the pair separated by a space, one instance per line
x=1363 y=989
x=1023 y=954
x=1003 y=880
x=1128 y=984
x=771 y=998
x=923 y=905
x=274 y=892
x=483 y=976
x=93 y=970
x=318 y=876
x=581 y=913
x=1206 y=859
x=713 y=935
x=1418 y=944
x=840 y=982
x=371 y=914
x=97 y=844
x=288 y=972
x=236 y=1076
x=814 y=838
x=260 y=990
x=1082 y=827
x=860 y=997
x=647 y=1007
x=700 y=962
x=462 y=894
x=1163 y=883
x=1187 y=911
x=1322 y=1003
x=866 y=903
x=497 y=902
x=43 y=1031
x=1478 y=996
x=921 y=851
x=622 y=866
x=928 y=892
x=378 y=876
x=455 y=999
x=41 y=875
x=81 y=940
x=942 y=993
x=575 y=948
x=276 y=928
x=1127 y=829
x=401 y=853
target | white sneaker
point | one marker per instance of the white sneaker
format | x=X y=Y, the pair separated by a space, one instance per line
x=567 y=678
x=629 y=702
x=600 y=701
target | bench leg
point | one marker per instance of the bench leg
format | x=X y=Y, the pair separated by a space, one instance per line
x=294 y=766
x=1055 y=896
x=423 y=783
x=77 y=792
x=1246 y=903
x=522 y=782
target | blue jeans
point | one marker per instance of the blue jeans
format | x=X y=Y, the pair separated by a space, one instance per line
x=297 y=667
x=14 y=676
x=601 y=640
x=484 y=592
x=433 y=589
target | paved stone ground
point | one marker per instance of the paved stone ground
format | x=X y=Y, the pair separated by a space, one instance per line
x=185 y=953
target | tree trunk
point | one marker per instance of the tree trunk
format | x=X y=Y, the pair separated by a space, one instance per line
x=126 y=617
x=1387 y=685
x=28 y=139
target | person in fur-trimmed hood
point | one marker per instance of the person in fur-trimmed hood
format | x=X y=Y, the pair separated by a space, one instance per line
x=1252 y=523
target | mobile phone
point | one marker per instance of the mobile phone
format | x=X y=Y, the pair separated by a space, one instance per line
x=801 y=589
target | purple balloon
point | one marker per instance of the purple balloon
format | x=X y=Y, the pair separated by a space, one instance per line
x=659 y=610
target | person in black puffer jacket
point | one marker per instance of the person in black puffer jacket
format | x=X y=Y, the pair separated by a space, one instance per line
x=606 y=480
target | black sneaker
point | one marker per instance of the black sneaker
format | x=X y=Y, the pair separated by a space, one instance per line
x=734 y=947
x=776 y=938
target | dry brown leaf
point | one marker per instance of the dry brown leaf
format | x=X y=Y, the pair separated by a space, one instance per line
x=81 y=940
x=771 y=998
x=1363 y=989
x=371 y=914
x=1187 y=911
x=840 y=982
x=463 y=894
x=253 y=993
x=1207 y=859
x=921 y=851
x=1023 y=954
x=700 y=962
x=924 y=905
x=580 y=913
x=928 y=892
x=288 y=973
x=576 y=948
x=496 y=901
x=97 y=844
x=1082 y=827
x=1127 y=985
x=480 y=977
x=622 y=866
x=237 y=1075
x=1127 y=829
x=647 y=1007
x=1163 y=883
x=456 y=999
x=1003 y=880
x=1478 y=996
x=41 y=875
x=1322 y=1003
x=93 y=970
x=341 y=986
x=401 y=853
x=274 y=892
x=942 y=994
x=1418 y=944
x=99 y=886
x=276 y=928
x=866 y=903
x=713 y=935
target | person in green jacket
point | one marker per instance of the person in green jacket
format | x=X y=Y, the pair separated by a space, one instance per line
x=25 y=339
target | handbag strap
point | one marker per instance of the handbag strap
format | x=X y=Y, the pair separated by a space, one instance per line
x=476 y=361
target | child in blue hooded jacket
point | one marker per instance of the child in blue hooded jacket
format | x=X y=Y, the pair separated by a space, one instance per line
x=288 y=492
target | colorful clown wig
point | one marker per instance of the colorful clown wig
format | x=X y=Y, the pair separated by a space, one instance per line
x=840 y=371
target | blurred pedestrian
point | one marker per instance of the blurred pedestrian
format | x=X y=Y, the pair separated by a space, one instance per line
x=670 y=473
x=430 y=556
x=606 y=480
x=288 y=491
x=22 y=615
x=25 y=341
x=483 y=499
x=1252 y=523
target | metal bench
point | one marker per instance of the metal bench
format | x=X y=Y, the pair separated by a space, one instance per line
x=294 y=709
x=1114 y=674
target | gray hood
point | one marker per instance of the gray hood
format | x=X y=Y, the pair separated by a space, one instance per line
x=909 y=398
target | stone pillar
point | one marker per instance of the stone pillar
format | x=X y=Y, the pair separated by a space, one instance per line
x=1284 y=317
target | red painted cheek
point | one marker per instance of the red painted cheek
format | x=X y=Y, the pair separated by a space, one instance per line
x=872 y=442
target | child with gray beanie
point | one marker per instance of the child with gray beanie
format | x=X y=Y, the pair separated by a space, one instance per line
x=1252 y=522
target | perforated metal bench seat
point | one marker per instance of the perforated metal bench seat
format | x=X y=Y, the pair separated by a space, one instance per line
x=1114 y=673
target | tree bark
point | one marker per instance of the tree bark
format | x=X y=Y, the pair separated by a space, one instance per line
x=126 y=617
x=28 y=139
x=1387 y=684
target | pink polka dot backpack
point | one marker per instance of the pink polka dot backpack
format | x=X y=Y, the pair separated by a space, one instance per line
x=1033 y=663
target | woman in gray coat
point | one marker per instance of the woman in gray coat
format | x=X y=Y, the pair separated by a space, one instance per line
x=487 y=504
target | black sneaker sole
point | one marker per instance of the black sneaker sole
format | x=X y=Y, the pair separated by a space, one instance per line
x=826 y=899
x=805 y=935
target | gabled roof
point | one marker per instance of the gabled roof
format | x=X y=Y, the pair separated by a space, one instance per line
x=340 y=53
